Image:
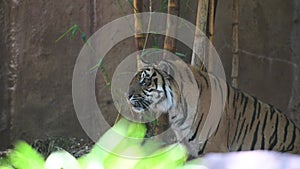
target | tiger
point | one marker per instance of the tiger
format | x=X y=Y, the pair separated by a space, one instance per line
x=246 y=123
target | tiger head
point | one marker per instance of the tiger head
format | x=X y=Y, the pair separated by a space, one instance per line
x=152 y=89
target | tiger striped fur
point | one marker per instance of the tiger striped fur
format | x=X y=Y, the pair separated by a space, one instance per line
x=246 y=123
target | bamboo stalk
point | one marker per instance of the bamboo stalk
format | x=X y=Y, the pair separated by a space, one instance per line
x=139 y=37
x=170 y=43
x=211 y=27
x=211 y=20
x=149 y=24
x=201 y=23
x=235 y=43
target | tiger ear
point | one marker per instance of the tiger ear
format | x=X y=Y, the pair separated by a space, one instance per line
x=167 y=67
x=141 y=63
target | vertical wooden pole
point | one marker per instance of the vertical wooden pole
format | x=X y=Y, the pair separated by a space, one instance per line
x=201 y=23
x=170 y=43
x=211 y=28
x=139 y=37
x=235 y=43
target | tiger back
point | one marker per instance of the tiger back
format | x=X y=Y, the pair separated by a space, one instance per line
x=246 y=123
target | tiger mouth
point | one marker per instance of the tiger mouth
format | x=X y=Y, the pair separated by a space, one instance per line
x=138 y=109
x=139 y=105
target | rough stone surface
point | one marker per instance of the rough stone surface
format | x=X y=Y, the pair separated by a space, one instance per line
x=294 y=104
x=40 y=71
x=266 y=68
x=4 y=91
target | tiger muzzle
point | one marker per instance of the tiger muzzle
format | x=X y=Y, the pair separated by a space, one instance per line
x=138 y=104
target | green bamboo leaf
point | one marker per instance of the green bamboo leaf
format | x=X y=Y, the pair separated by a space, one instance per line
x=104 y=87
x=74 y=31
x=5 y=164
x=66 y=32
x=96 y=66
x=180 y=54
x=131 y=3
x=169 y=157
x=83 y=37
x=23 y=156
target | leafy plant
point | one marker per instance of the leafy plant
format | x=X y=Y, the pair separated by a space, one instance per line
x=71 y=33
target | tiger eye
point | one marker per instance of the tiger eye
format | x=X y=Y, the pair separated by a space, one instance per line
x=146 y=82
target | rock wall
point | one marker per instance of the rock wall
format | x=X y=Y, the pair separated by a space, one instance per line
x=38 y=71
x=294 y=103
x=269 y=45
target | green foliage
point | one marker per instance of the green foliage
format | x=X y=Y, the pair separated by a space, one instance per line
x=72 y=31
x=4 y=164
x=83 y=37
x=122 y=134
x=182 y=55
x=23 y=156
x=170 y=157
x=137 y=130
x=129 y=150
x=61 y=160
